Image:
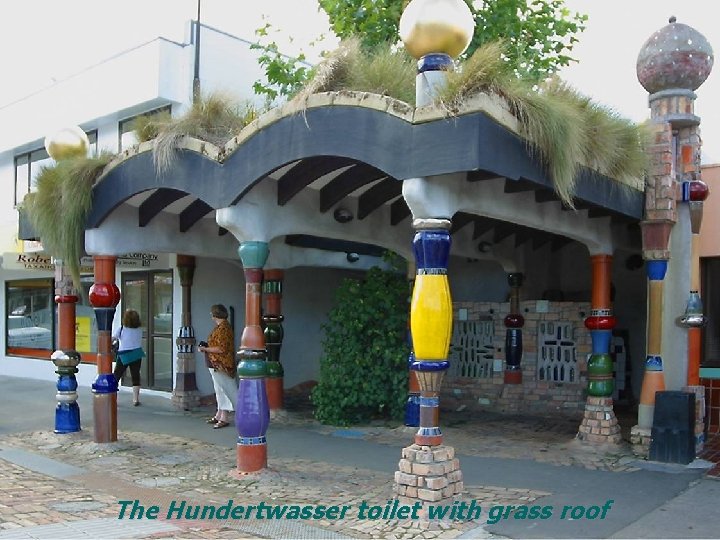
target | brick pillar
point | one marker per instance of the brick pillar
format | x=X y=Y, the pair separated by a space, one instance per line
x=671 y=65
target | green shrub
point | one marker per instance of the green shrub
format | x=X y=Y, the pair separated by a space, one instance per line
x=363 y=371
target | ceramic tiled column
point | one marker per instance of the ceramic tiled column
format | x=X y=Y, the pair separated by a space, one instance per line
x=431 y=321
x=185 y=393
x=273 y=319
x=104 y=297
x=252 y=415
x=514 y=323
x=66 y=358
x=599 y=424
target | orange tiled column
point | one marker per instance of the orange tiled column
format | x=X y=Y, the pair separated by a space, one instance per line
x=104 y=298
x=599 y=424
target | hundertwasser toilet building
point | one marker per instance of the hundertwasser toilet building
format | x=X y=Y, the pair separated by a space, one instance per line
x=521 y=302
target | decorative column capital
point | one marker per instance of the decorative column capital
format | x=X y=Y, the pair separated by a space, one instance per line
x=253 y=254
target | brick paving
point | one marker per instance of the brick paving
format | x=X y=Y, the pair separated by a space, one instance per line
x=161 y=468
x=158 y=469
x=711 y=452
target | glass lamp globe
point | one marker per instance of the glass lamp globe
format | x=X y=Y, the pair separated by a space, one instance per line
x=67 y=143
x=436 y=26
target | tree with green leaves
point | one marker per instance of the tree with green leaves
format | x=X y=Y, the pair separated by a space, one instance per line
x=538 y=36
x=363 y=370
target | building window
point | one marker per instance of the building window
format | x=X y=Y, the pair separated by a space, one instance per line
x=27 y=168
x=126 y=128
x=29 y=317
x=93 y=140
x=29 y=164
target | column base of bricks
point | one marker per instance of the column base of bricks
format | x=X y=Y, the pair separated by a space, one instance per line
x=599 y=424
x=186 y=400
x=430 y=475
x=640 y=439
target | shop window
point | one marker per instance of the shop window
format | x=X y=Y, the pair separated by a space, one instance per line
x=126 y=127
x=710 y=272
x=30 y=321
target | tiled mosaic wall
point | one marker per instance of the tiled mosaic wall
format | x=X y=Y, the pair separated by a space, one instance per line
x=712 y=404
x=542 y=396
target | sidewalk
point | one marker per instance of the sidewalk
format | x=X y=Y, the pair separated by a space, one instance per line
x=67 y=486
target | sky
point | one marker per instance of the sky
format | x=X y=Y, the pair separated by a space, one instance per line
x=47 y=40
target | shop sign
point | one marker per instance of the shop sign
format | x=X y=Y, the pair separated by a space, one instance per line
x=83 y=327
x=44 y=263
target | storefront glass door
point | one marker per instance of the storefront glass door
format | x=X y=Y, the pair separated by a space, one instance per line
x=150 y=294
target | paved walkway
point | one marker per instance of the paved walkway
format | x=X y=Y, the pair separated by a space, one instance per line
x=67 y=486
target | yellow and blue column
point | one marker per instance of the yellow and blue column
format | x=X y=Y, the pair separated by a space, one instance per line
x=430 y=321
x=654 y=378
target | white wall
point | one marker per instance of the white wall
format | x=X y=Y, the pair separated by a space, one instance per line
x=216 y=281
x=227 y=65
x=122 y=85
x=308 y=294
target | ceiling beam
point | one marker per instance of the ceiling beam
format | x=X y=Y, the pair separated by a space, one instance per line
x=378 y=195
x=305 y=173
x=346 y=182
x=197 y=210
x=518 y=186
x=481 y=175
x=459 y=220
x=399 y=210
x=155 y=204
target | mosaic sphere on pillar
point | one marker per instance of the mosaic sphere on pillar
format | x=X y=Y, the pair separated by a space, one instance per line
x=67 y=143
x=436 y=26
x=675 y=57
x=104 y=295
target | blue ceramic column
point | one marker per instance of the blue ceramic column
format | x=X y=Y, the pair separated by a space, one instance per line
x=252 y=415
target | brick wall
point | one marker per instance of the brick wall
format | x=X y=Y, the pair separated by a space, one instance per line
x=712 y=404
x=533 y=395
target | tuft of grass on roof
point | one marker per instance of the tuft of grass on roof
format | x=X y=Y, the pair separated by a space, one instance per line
x=58 y=210
x=564 y=128
x=215 y=118
x=381 y=70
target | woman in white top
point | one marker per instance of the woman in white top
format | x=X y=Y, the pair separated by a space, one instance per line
x=130 y=352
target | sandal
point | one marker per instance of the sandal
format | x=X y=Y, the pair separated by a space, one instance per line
x=212 y=420
x=221 y=424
